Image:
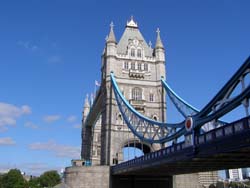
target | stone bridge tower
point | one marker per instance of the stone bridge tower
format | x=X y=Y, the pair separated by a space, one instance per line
x=138 y=69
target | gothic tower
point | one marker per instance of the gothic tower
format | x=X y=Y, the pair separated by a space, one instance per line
x=138 y=69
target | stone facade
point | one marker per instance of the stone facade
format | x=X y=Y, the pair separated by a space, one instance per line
x=87 y=177
x=138 y=69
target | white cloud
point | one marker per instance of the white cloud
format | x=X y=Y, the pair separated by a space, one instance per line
x=77 y=126
x=59 y=150
x=27 y=45
x=51 y=118
x=30 y=125
x=35 y=168
x=9 y=113
x=7 y=141
x=71 y=119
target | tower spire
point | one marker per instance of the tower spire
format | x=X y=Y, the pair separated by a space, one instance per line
x=111 y=36
x=86 y=108
x=86 y=103
x=158 y=43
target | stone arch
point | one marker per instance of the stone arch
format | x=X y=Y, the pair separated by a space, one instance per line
x=133 y=142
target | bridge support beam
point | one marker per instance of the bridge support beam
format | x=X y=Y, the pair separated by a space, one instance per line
x=141 y=181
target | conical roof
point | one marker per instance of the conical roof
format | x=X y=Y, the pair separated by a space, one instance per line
x=158 y=43
x=86 y=103
x=111 y=36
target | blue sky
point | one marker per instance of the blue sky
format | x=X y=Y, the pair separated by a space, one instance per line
x=50 y=58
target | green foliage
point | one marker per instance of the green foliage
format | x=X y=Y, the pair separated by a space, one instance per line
x=212 y=186
x=13 y=179
x=34 y=183
x=235 y=185
x=1 y=180
x=50 y=179
x=219 y=184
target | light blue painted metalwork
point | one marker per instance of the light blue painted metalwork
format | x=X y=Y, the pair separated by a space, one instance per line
x=152 y=131
x=146 y=129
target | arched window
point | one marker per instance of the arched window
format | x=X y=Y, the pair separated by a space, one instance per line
x=151 y=97
x=155 y=117
x=139 y=53
x=133 y=65
x=146 y=67
x=139 y=67
x=137 y=93
x=132 y=52
x=126 y=65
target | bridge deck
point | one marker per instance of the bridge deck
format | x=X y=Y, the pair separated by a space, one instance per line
x=222 y=148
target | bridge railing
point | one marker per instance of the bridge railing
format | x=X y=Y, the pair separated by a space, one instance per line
x=226 y=130
x=215 y=134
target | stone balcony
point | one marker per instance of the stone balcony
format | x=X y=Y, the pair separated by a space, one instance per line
x=137 y=73
x=139 y=105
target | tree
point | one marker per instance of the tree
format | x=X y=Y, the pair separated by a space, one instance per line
x=219 y=184
x=212 y=186
x=13 y=179
x=1 y=180
x=34 y=183
x=50 y=178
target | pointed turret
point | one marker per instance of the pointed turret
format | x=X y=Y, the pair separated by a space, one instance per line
x=111 y=42
x=111 y=36
x=86 y=108
x=158 y=43
x=159 y=53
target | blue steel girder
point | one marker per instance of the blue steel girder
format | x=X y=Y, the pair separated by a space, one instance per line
x=145 y=129
x=181 y=105
x=223 y=102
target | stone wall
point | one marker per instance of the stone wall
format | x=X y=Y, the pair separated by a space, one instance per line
x=87 y=177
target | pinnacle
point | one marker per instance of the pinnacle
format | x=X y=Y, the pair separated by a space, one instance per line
x=158 y=43
x=86 y=103
x=111 y=36
x=132 y=23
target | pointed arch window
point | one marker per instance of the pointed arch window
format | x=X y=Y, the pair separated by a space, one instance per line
x=139 y=53
x=126 y=65
x=139 y=67
x=151 y=97
x=155 y=117
x=133 y=65
x=132 y=53
x=137 y=93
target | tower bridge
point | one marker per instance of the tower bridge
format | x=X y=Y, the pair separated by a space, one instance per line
x=130 y=110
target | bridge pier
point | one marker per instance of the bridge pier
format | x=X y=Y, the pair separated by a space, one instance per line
x=141 y=181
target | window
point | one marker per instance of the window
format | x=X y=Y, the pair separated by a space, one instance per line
x=98 y=151
x=99 y=137
x=155 y=117
x=133 y=65
x=151 y=97
x=132 y=52
x=137 y=93
x=126 y=65
x=139 y=53
x=146 y=67
x=120 y=117
x=139 y=67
